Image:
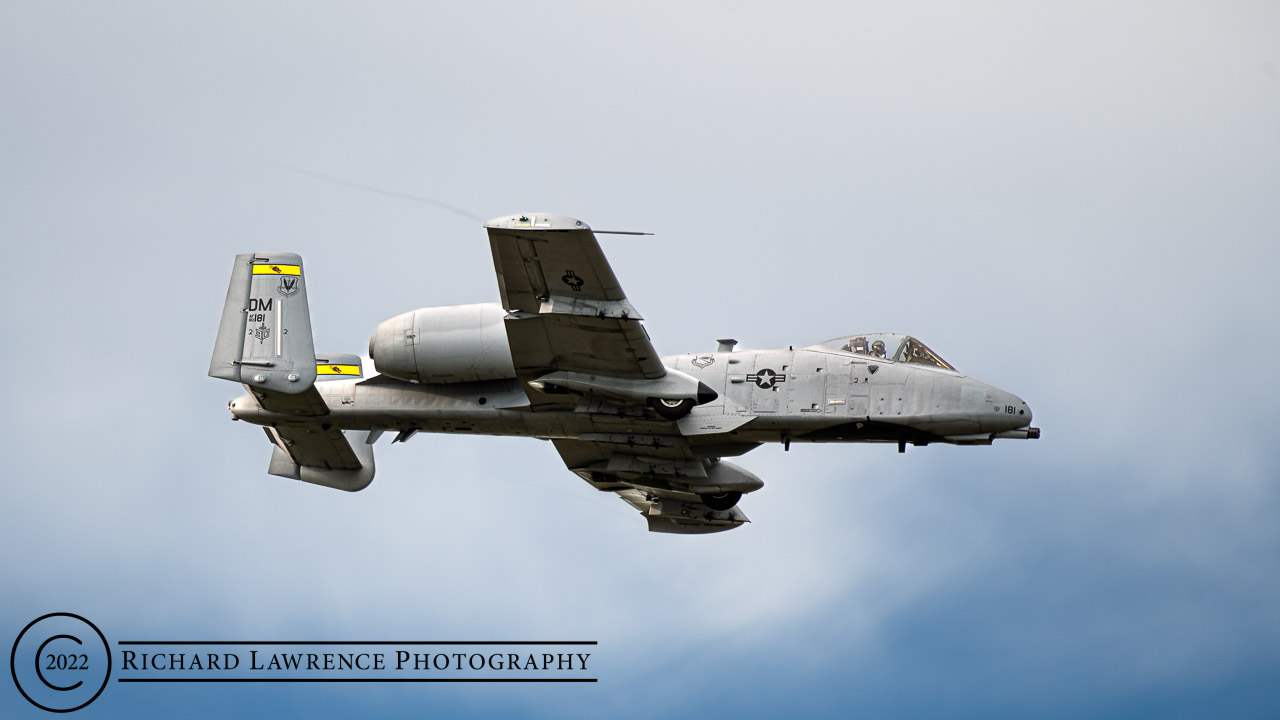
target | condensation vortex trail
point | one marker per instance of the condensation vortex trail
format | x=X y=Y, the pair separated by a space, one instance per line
x=381 y=191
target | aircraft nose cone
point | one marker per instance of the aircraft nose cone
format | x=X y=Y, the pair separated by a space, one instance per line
x=1017 y=408
x=1010 y=411
x=1020 y=420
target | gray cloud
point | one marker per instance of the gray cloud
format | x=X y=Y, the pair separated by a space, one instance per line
x=1074 y=203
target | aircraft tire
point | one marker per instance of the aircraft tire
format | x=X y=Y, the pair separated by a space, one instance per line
x=669 y=411
x=723 y=501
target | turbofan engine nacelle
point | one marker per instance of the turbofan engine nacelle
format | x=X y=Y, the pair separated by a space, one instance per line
x=461 y=343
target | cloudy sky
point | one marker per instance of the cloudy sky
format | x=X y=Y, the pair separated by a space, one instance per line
x=1078 y=203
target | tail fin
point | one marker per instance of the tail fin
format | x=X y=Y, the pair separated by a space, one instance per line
x=264 y=340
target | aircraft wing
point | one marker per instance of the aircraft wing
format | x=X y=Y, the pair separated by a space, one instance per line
x=652 y=473
x=567 y=311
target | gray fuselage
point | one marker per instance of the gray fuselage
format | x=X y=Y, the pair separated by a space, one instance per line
x=809 y=395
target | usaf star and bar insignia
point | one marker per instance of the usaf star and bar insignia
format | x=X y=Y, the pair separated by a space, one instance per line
x=767 y=379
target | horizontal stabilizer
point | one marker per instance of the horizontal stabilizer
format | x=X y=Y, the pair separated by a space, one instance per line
x=338 y=366
x=321 y=455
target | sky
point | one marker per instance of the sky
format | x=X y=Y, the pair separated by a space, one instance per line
x=1073 y=202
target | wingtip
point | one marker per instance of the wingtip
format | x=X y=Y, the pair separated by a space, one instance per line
x=536 y=221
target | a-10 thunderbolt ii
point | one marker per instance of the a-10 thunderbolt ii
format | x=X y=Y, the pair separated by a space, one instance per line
x=564 y=357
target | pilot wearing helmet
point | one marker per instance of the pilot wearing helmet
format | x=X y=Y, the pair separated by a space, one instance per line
x=877 y=349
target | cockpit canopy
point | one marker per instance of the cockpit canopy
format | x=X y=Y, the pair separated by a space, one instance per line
x=890 y=346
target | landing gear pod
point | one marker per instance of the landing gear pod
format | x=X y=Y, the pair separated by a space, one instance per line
x=671 y=409
x=722 y=501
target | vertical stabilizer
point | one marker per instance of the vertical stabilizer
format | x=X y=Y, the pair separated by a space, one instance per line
x=264 y=340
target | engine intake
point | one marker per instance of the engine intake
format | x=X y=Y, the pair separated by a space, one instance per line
x=460 y=343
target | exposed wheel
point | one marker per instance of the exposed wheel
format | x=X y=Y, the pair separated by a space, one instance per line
x=671 y=409
x=723 y=501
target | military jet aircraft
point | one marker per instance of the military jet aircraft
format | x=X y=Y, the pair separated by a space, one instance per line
x=564 y=357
